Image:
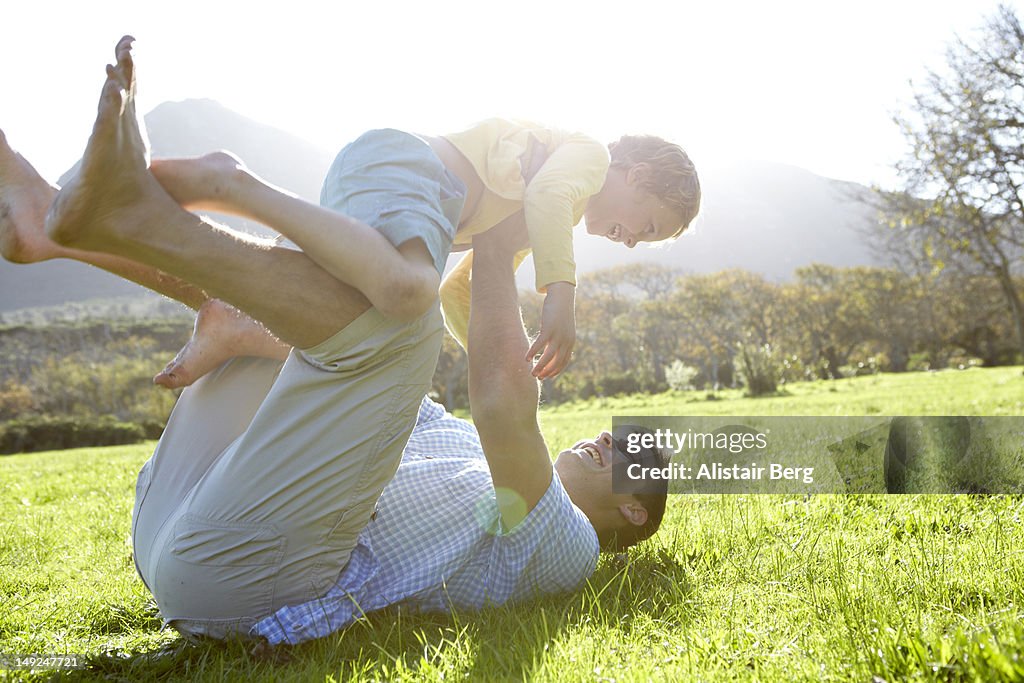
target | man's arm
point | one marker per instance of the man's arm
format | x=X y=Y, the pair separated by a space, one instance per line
x=503 y=393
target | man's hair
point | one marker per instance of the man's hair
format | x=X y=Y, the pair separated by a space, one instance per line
x=654 y=503
x=673 y=177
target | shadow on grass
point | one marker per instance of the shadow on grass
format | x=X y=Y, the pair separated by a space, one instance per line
x=511 y=642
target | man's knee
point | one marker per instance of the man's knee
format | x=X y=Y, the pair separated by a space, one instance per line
x=413 y=296
x=409 y=294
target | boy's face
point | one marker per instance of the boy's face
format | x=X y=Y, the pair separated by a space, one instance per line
x=624 y=212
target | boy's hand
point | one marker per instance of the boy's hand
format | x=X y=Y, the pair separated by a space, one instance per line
x=557 y=331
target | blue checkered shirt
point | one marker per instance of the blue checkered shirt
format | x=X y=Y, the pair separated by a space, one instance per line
x=436 y=542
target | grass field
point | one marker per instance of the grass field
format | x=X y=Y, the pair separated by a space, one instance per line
x=733 y=588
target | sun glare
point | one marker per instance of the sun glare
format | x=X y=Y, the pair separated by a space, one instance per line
x=804 y=83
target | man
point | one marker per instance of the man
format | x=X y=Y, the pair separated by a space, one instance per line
x=258 y=513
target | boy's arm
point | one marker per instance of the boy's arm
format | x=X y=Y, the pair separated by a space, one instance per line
x=503 y=394
x=572 y=172
x=557 y=331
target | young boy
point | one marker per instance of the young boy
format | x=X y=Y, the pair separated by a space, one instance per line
x=646 y=190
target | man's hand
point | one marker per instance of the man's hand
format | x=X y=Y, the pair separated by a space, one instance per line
x=557 y=331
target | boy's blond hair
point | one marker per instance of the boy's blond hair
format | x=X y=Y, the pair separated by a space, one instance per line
x=673 y=177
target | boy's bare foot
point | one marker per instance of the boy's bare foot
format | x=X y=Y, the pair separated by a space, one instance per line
x=221 y=332
x=25 y=198
x=206 y=183
x=102 y=203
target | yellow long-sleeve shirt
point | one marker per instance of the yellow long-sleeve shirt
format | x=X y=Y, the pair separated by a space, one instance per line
x=553 y=200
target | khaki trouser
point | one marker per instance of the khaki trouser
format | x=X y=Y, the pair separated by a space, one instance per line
x=266 y=472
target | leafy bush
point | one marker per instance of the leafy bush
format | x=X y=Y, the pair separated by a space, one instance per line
x=919 y=362
x=871 y=366
x=49 y=433
x=617 y=384
x=112 y=379
x=680 y=376
x=15 y=399
x=962 y=362
x=152 y=429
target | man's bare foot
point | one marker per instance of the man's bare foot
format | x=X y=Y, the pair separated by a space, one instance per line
x=221 y=332
x=206 y=183
x=113 y=191
x=25 y=198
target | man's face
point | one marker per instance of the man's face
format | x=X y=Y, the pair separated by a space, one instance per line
x=585 y=470
x=587 y=458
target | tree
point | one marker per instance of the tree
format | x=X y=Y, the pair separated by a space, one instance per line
x=964 y=174
x=722 y=316
x=623 y=325
x=827 y=322
x=894 y=314
x=974 y=319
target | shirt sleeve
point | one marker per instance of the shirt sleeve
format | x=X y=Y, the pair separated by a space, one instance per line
x=574 y=171
x=429 y=411
x=554 y=549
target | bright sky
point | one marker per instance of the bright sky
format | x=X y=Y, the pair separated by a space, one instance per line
x=811 y=83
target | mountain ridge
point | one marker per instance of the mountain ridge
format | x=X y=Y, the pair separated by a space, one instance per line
x=761 y=216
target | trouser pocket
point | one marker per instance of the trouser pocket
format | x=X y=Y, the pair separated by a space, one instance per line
x=210 y=569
